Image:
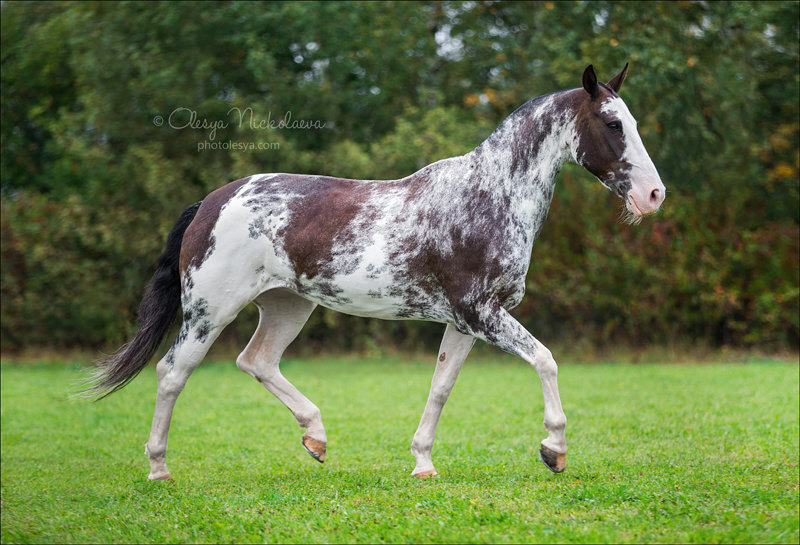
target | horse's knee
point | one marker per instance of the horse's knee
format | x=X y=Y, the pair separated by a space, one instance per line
x=545 y=364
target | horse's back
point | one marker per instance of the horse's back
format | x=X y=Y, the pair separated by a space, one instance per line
x=328 y=239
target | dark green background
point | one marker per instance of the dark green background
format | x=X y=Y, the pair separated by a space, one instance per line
x=91 y=184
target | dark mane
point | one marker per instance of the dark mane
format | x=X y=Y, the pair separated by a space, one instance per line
x=521 y=110
x=607 y=88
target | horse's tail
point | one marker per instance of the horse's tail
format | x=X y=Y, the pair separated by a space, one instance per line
x=162 y=299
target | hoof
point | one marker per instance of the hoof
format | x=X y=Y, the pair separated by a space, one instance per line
x=314 y=447
x=161 y=477
x=426 y=474
x=554 y=461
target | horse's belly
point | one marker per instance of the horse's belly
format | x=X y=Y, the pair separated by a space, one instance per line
x=370 y=293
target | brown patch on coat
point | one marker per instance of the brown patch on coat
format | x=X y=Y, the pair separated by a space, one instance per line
x=525 y=141
x=322 y=219
x=531 y=132
x=472 y=265
x=198 y=241
x=442 y=356
x=599 y=149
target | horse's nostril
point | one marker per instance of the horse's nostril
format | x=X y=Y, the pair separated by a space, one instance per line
x=654 y=195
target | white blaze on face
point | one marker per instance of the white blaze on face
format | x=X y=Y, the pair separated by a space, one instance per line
x=647 y=191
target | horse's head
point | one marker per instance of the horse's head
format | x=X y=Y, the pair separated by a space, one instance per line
x=608 y=145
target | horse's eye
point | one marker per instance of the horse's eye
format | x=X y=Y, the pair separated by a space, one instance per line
x=615 y=126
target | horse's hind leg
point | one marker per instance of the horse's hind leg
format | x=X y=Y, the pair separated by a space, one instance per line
x=200 y=328
x=282 y=316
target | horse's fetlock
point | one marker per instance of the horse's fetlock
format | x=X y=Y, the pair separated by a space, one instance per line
x=155 y=453
x=308 y=419
x=418 y=449
x=558 y=423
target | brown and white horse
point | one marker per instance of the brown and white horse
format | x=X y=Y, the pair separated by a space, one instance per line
x=450 y=243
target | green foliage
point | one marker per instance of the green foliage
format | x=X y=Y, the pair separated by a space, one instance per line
x=658 y=454
x=689 y=273
x=94 y=171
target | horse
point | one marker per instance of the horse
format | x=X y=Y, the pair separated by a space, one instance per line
x=450 y=243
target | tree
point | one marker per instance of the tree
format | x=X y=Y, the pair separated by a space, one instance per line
x=106 y=108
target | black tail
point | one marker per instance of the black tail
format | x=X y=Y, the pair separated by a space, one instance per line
x=157 y=311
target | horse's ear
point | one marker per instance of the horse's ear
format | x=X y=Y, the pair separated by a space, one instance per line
x=590 y=81
x=616 y=81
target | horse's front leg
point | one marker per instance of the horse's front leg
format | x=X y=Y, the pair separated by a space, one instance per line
x=452 y=353
x=496 y=326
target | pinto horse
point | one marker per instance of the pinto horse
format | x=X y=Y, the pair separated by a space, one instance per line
x=450 y=243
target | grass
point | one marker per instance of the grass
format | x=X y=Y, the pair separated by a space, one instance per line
x=658 y=454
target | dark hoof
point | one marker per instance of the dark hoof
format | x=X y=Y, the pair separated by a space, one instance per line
x=554 y=461
x=314 y=447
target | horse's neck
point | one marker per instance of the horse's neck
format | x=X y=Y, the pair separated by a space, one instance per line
x=520 y=161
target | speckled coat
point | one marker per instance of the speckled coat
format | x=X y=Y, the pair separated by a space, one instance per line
x=450 y=243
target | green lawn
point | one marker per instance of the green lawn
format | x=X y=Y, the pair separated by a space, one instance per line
x=672 y=453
